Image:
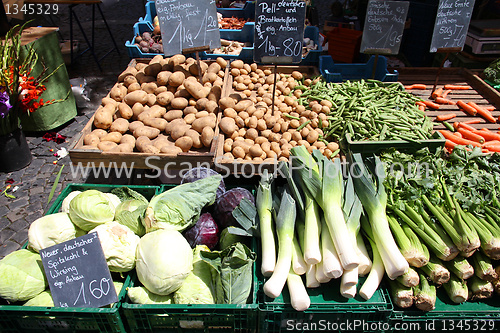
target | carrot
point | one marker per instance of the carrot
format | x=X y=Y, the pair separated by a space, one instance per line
x=441 y=100
x=416 y=86
x=456 y=87
x=472 y=121
x=420 y=103
x=467 y=108
x=445 y=93
x=444 y=117
x=460 y=141
x=457 y=125
x=458 y=134
x=488 y=135
x=450 y=145
x=491 y=143
x=490 y=108
x=470 y=135
x=485 y=129
x=437 y=93
x=421 y=107
x=494 y=148
x=483 y=112
x=431 y=104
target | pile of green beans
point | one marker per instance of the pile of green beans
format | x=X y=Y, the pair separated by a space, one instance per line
x=369 y=110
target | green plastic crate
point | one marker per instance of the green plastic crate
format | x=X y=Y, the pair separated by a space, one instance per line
x=31 y=319
x=448 y=316
x=329 y=311
x=369 y=147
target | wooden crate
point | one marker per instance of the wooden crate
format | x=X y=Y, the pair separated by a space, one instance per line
x=199 y=157
x=250 y=168
x=481 y=93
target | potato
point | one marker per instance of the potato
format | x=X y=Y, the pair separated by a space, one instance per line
x=189 y=118
x=177 y=59
x=256 y=150
x=190 y=109
x=161 y=141
x=137 y=109
x=153 y=69
x=176 y=79
x=214 y=68
x=173 y=114
x=170 y=150
x=148 y=131
x=215 y=93
x=128 y=139
x=238 y=152
x=91 y=140
x=149 y=87
x=201 y=103
x=133 y=87
x=195 y=136
x=99 y=132
x=179 y=103
x=120 y=125
x=118 y=92
x=196 y=89
x=162 y=77
x=222 y=62
x=185 y=143
x=113 y=137
x=243 y=105
x=237 y=64
x=151 y=99
x=174 y=124
x=102 y=118
x=129 y=80
x=108 y=100
x=201 y=114
x=228 y=125
x=164 y=98
x=143 y=78
x=227 y=102
x=200 y=123
x=130 y=71
x=207 y=135
x=193 y=68
x=179 y=131
x=158 y=123
x=125 y=111
x=137 y=96
x=106 y=145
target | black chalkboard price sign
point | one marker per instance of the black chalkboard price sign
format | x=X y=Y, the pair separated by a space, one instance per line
x=384 y=24
x=188 y=25
x=452 y=23
x=279 y=31
x=77 y=273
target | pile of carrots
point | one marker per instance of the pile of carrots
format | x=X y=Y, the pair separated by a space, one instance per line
x=462 y=133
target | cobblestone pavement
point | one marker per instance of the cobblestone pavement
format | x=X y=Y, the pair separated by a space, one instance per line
x=36 y=180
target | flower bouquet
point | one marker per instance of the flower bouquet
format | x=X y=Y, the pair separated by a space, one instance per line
x=19 y=91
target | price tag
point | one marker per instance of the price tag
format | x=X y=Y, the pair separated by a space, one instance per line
x=188 y=24
x=384 y=24
x=279 y=31
x=77 y=273
x=452 y=23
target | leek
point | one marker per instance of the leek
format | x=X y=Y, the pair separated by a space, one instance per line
x=377 y=272
x=460 y=267
x=409 y=279
x=365 y=263
x=436 y=272
x=285 y=223
x=299 y=298
x=456 y=289
x=425 y=295
x=483 y=267
x=331 y=263
x=320 y=274
x=479 y=289
x=312 y=252
x=412 y=249
x=325 y=186
x=374 y=200
x=298 y=265
x=349 y=277
x=348 y=291
x=264 y=204
x=401 y=295
x=311 y=281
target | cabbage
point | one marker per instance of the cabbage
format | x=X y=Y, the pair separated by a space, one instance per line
x=197 y=288
x=180 y=207
x=67 y=200
x=164 y=260
x=140 y=295
x=21 y=276
x=50 y=230
x=90 y=208
x=119 y=244
x=129 y=213
x=42 y=299
x=115 y=201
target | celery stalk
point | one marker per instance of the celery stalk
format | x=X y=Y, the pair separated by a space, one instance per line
x=409 y=279
x=456 y=289
x=411 y=249
x=479 y=289
x=401 y=295
x=483 y=267
x=436 y=271
x=460 y=267
x=425 y=295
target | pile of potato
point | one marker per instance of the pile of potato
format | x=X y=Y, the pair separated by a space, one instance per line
x=254 y=133
x=160 y=107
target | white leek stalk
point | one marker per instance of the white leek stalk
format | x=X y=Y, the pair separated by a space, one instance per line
x=264 y=203
x=365 y=263
x=311 y=281
x=348 y=291
x=376 y=274
x=298 y=264
x=298 y=294
x=312 y=253
x=349 y=277
x=331 y=263
x=320 y=273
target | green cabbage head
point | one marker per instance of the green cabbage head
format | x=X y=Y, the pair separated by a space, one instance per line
x=140 y=295
x=90 y=208
x=21 y=276
x=164 y=260
x=119 y=245
x=51 y=230
x=42 y=299
x=130 y=213
x=198 y=286
x=67 y=200
x=179 y=208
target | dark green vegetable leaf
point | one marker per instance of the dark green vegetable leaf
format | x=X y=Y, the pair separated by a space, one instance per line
x=126 y=193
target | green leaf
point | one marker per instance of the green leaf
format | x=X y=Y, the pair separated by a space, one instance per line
x=56 y=181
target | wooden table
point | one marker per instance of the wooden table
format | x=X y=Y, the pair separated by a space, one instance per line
x=72 y=14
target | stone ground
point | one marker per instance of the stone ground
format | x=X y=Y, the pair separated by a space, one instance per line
x=36 y=180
